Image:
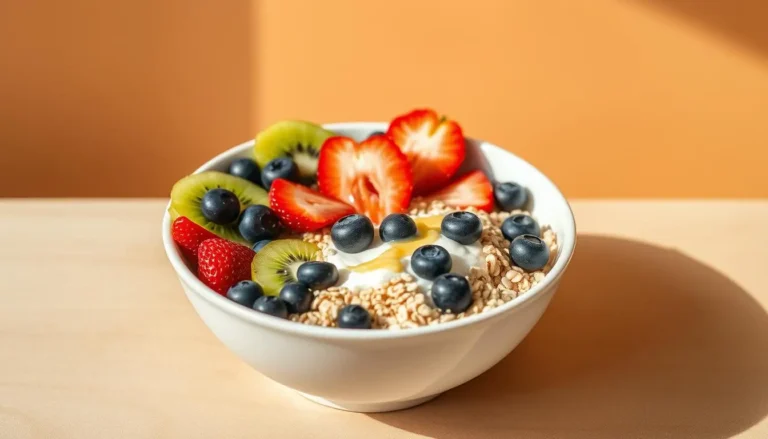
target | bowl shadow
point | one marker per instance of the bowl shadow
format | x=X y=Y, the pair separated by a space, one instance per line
x=640 y=341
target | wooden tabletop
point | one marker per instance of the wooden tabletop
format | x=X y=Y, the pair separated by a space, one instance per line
x=659 y=330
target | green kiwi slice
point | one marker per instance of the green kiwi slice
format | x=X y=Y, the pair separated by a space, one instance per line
x=297 y=139
x=188 y=192
x=275 y=265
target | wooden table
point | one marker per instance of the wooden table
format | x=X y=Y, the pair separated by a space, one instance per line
x=659 y=330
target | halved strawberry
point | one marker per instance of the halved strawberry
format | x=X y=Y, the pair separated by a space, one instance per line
x=373 y=176
x=470 y=190
x=302 y=209
x=434 y=147
x=188 y=236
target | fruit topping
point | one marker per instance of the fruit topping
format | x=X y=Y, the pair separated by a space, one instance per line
x=317 y=275
x=258 y=223
x=352 y=233
x=434 y=147
x=245 y=293
x=260 y=245
x=247 y=169
x=188 y=236
x=451 y=292
x=220 y=206
x=271 y=305
x=372 y=176
x=470 y=190
x=275 y=265
x=529 y=252
x=282 y=167
x=354 y=317
x=187 y=200
x=377 y=133
x=298 y=140
x=302 y=209
x=223 y=263
x=520 y=224
x=510 y=196
x=297 y=297
x=397 y=226
x=462 y=227
x=430 y=261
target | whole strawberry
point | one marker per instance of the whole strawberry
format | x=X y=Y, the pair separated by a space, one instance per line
x=188 y=236
x=223 y=263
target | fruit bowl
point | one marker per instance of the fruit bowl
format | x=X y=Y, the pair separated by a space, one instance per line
x=384 y=370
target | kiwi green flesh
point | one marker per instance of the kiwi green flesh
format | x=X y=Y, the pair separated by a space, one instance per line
x=275 y=265
x=188 y=192
x=297 y=139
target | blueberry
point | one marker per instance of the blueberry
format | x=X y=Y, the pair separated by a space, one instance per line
x=271 y=305
x=354 y=317
x=377 y=133
x=245 y=293
x=462 y=227
x=297 y=297
x=281 y=167
x=510 y=196
x=529 y=252
x=451 y=292
x=520 y=224
x=352 y=233
x=260 y=245
x=220 y=206
x=247 y=169
x=258 y=223
x=317 y=275
x=430 y=261
x=397 y=226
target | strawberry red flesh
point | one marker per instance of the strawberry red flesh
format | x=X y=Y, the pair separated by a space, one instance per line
x=373 y=176
x=302 y=209
x=188 y=236
x=470 y=190
x=434 y=147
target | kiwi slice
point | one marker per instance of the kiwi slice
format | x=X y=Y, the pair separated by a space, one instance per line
x=297 y=139
x=275 y=265
x=188 y=192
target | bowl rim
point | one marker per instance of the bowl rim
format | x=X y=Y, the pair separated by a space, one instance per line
x=566 y=243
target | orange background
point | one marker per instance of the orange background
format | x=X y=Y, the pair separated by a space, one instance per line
x=634 y=98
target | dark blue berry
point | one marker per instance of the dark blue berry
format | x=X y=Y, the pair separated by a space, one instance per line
x=260 y=245
x=430 y=261
x=520 y=224
x=245 y=293
x=510 y=196
x=258 y=223
x=529 y=252
x=353 y=233
x=317 y=275
x=247 y=169
x=377 y=133
x=354 y=317
x=281 y=167
x=297 y=297
x=451 y=292
x=271 y=305
x=462 y=227
x=397 y=226
x=220 y=206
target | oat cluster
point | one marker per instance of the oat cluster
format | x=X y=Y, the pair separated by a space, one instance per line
x=401 y=304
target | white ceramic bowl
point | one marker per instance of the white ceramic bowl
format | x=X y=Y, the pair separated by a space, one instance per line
x=381 y=370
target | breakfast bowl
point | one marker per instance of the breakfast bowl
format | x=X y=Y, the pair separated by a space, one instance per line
x=384 y=370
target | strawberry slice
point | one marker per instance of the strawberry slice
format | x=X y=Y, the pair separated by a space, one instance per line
x=302 y=209
x=373 y=176
x=188 y=236
x=470 y=190
x=223 y=263
x=434 y=147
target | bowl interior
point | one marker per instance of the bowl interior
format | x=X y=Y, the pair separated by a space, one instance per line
x=548 y=205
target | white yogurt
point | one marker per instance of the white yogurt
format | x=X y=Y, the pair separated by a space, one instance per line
x=462 y=258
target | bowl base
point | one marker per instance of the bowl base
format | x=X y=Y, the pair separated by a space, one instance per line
x=376 y=407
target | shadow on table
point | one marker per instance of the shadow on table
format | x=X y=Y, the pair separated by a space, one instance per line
x=640 y=341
